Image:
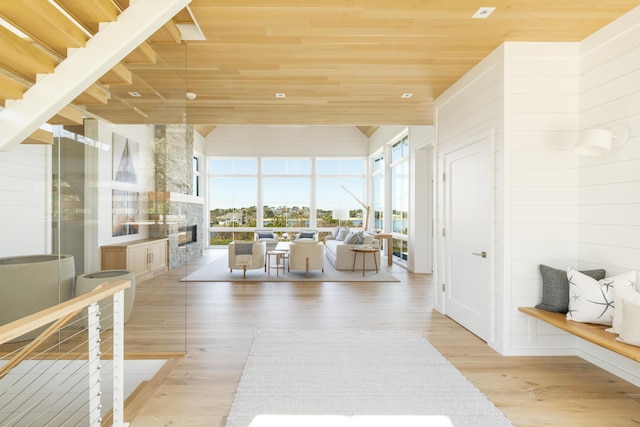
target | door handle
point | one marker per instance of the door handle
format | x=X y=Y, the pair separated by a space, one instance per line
x=483 y=254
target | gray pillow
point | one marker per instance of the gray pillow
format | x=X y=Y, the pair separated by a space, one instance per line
x=307 y=234
x=344 y=231
x=555 y=287
x=354 y=238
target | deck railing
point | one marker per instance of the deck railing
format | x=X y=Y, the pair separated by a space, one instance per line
x=72 y=372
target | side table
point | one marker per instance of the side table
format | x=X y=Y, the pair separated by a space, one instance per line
x=364 y=251
x=280 y=256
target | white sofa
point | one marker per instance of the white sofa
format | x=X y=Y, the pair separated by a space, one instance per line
x=341 y=256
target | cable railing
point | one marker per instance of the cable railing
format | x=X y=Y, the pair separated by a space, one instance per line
x=72 y=373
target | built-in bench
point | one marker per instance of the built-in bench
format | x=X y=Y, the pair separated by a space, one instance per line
x=595 y=334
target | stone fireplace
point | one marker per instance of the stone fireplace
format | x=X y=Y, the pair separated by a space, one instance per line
x=177 y=213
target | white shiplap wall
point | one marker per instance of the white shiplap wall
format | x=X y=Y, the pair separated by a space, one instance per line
x=541 y=178
x=609 y=185
x=553 y=207
x=25 y=201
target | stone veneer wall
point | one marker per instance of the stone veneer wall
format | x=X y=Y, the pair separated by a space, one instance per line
x=173 y=206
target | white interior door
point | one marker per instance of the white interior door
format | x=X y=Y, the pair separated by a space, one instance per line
x=468 y=233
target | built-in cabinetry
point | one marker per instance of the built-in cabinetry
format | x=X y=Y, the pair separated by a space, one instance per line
x=146 y=258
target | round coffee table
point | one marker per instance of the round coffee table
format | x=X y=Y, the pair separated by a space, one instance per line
x=364 y=251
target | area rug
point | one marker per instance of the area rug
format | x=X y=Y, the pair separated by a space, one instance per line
x=218 y=271
x=355 y=373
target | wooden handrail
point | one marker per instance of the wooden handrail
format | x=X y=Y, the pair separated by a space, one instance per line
x=27 y=324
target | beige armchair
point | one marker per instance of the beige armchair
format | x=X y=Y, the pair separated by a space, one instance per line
x=306 y=255
x=267 y=236
x=247 y=256
x=307 y=235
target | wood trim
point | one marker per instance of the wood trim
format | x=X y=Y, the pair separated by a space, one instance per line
x=595 y=334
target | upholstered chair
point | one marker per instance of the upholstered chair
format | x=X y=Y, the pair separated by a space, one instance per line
x=306 y=255
x=307 y=235
x=267 y=236
x=247 y=256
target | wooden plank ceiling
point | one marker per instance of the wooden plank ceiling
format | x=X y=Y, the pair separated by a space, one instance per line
x=336 y=62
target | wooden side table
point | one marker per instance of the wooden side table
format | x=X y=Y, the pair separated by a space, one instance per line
x=388 y=247
x=364 y=251
x=280 y=256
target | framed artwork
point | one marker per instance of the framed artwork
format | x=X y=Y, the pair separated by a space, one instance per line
x=125 y=212
x=124 y=153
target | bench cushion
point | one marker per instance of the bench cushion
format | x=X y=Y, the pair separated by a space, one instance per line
x=555 y=287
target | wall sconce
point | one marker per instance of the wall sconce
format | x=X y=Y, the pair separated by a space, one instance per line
x=594 y=142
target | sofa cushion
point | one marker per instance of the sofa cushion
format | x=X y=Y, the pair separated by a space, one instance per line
x=342 y=233
x=354 y=238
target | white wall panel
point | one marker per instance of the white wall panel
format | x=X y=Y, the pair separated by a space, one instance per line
x=286 y=141
x=25 y=200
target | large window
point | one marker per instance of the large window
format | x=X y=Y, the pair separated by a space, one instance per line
x=233 y=195
x=286 y=189
x=290 y=193
x=335 y=178
x=378 y=192
x=400 y=196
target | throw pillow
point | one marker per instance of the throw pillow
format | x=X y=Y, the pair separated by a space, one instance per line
x=344 y=231
x=268 y=235
x=354 y=238
x=555 y=287
x=630 y=333
x=624 y=290
x=335 y=232
x=306 y=235
x=592 y=301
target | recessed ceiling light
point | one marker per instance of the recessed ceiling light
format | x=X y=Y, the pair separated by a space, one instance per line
x=281 y=95
x=483 y=12
x=406 y=95
x=135 y=94
x=191 y=95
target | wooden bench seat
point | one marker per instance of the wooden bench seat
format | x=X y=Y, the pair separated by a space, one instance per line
x=587 y=331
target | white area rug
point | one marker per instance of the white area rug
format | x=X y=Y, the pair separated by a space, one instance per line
x=218 y=271
x=355 y=373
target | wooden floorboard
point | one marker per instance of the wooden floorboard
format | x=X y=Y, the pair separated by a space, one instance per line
x=220 y=319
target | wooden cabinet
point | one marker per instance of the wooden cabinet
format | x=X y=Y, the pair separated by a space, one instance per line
x=146 y=258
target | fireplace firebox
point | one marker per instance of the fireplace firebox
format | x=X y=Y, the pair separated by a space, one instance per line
x=187 y=235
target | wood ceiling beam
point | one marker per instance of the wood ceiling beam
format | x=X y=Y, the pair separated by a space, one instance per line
x=49 y=95
x=40 y=136
x=10 y=89
x=22 y=58
x=42 y=16
x=118 y=75
x=167 y=34
x=94 y=95
x=143 y=54
x=91 y=13
x=67 y=116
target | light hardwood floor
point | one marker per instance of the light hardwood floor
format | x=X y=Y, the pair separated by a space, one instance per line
x=221 y=319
